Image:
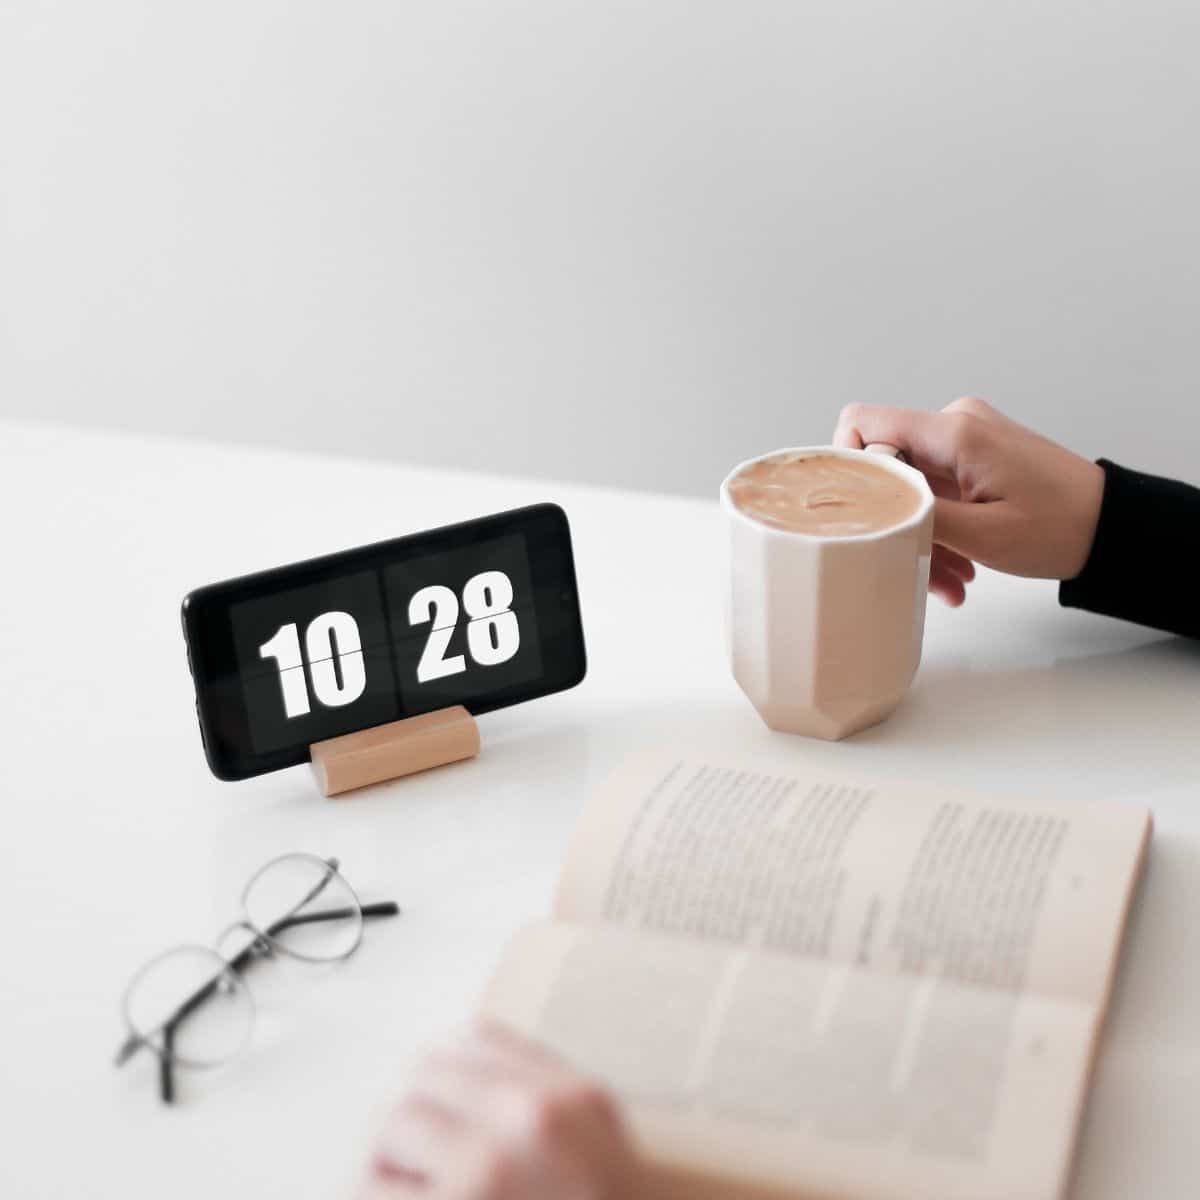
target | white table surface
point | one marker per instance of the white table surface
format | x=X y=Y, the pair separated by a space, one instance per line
x=119 y=843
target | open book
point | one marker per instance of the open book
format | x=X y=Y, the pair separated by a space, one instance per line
x=810 y=986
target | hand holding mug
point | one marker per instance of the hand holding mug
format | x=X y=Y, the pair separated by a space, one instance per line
x=1005 y=496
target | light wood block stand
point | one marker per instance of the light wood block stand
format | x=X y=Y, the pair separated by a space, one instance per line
x=390 y=751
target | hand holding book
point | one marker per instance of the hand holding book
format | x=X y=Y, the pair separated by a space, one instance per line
x=494 y=1116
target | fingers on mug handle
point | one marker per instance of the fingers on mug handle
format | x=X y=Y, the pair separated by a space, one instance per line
x=886 y=449
x=928 y=440
x=954 y=562
x=947 y=585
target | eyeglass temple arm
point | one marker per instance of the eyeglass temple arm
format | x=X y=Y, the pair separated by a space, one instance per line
x=166 y=1070
x=381 y=908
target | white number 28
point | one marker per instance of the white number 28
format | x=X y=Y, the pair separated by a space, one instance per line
x=493 y=635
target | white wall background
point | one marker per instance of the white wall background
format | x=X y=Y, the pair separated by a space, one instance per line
x=628 y=242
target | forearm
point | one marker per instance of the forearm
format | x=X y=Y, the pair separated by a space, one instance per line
x=1144 y=557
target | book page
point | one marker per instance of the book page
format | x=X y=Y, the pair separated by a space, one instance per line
x=1015 y=893
x=820 y=1078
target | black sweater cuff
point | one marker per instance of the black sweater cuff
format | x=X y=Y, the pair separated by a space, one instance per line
x=1144 y=557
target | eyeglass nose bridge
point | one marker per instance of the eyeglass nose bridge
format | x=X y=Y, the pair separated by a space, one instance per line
x=257 y=943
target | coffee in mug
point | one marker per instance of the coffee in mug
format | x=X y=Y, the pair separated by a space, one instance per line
x=828 y=495
x=829 y=567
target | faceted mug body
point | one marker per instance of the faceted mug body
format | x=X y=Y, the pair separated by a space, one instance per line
x=824 y=633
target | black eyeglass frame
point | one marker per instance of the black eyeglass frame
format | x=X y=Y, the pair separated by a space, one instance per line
x=263 y=944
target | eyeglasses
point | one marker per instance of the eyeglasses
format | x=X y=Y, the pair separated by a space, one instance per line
x=191 y=1006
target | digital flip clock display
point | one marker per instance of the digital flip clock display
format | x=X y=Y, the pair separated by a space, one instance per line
x=347 y=653
x=465 y=615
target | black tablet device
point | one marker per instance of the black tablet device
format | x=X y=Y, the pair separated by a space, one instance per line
x=483 y=614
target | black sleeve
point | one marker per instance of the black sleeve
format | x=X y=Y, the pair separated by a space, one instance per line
x=1143 y=566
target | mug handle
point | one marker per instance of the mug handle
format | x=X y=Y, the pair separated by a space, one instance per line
x=886 y=448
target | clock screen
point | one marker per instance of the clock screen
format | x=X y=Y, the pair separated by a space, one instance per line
x=368 y=647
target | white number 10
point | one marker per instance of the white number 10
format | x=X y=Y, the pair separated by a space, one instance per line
x=335 y=662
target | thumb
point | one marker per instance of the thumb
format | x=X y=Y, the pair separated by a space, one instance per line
x=980 y=530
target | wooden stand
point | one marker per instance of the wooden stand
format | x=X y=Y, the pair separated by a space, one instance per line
x=354 y=760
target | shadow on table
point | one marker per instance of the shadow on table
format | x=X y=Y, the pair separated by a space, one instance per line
x=1105 y=722
x=1133 y=706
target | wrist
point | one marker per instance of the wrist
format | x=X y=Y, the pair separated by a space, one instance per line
x=1087 y=497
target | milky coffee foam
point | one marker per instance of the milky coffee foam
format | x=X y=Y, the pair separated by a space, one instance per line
x=824 y=494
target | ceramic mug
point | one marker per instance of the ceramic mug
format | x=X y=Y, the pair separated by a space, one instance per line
x=824 y=633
